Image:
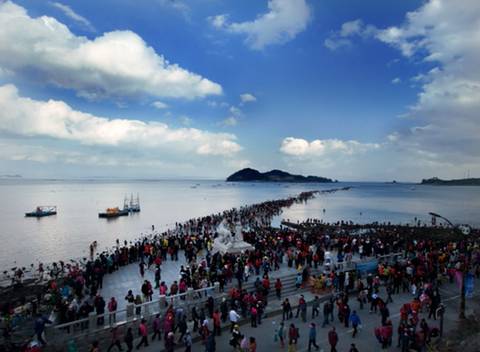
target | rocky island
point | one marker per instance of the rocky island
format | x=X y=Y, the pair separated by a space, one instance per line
x=251 y=175
x=458 y=182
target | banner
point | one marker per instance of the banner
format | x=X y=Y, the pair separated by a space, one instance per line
x=367 y=267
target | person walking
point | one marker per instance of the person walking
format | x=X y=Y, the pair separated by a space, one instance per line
x=128 y=339
x=233 y=316
x=112 y=309
x=39 y=328
x=293 y=336
x=281 y=334
x=115 y=339
x=252 y=346
x=286 y=310
x=143 y=332
x=333 y=340
x=278 y=288
x=353 y=348
x=170 y=342
x=355 y=320
x=326 y=313
x=315 y=307
x=156 y=325
x=217 y=323
x=312 y=337
x=187 y=341
x=253 y=316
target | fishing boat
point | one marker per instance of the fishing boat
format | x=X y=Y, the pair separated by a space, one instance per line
x=134 y=204
x=41 y=211
x=115 y=212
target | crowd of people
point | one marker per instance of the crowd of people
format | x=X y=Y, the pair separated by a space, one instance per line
x=74 y=292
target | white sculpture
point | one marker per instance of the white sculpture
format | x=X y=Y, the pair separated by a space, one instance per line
x=229 y=239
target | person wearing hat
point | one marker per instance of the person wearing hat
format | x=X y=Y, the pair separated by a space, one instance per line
x=312 y=337
x=170 y=342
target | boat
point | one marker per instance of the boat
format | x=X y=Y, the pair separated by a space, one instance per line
x=134 y=204
x=42 y=210
x=113 y=213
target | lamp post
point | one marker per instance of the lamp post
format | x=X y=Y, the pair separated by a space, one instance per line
x=461 y=314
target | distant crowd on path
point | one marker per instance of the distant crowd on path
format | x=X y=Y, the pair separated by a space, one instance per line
x=424 y=263
x=72 y=289
x=76 y=295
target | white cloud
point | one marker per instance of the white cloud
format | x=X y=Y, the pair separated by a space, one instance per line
x=283 y=21
x=235 y=111
x=247 y=98
x=299 y=147
x=230 y=121
x=68 y=11
x=448 y=105
x=218 y=21
x=396 y=80
x=445 y=116
x=336 y=43
x=351 y=28
x=58 y=121
x=117 y=64
x=159 y=105
x=340 y=38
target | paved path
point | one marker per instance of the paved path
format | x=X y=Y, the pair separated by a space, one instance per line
x=365 y=340
x=128 y=277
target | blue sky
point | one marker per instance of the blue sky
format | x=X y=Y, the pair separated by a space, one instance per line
x=353 y=90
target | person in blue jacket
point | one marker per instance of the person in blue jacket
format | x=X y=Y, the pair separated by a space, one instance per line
x=355 y=320
x=39 y=328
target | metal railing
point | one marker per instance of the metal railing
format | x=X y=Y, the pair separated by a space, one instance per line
x=133 y=313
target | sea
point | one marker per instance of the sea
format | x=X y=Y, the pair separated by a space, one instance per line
x=67 y=235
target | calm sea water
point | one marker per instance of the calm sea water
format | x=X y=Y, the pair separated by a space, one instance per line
x=69 y=233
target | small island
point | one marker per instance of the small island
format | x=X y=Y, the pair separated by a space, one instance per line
x=458 y=182
x=250 y=175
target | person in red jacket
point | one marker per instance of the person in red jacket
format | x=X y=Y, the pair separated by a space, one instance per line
x=333 y=340
x=216 y=322
x=253 y=316
x=143 y=332
x=292 y=337
x=278 y=288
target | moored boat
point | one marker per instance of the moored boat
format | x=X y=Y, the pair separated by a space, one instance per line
x=41 y=211
x=134 y=204
x=113 y=213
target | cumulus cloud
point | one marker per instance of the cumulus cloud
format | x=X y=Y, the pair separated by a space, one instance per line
x=299 y=147
x=247 y=98
x=396 y=80
x=56 y=120
x=159 y=105
x=284 y=20
x=68 y=11
x=116 y=64
x=445 y=115
x=341 y=38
